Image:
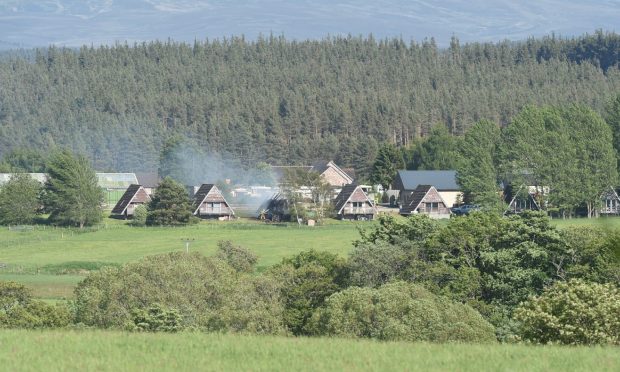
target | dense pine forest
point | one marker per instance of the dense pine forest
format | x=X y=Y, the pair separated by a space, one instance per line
x=286 y=102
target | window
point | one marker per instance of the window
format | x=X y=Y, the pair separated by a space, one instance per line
x=432 y=207
x=358 y=204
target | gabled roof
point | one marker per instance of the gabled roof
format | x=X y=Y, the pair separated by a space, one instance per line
x=319 y=167
x=345 y=195
x=441 y=179
x=418 y=195
x=126 y=199
x=150 y=180
x=203 y=193
x=323 y=166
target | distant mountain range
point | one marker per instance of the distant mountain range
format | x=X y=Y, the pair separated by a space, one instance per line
x=32 y=23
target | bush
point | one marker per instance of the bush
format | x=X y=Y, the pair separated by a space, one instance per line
x=139 y=216
x=157 y=319
x=573 y=313
x=237 y=257
x=207 y=293
x=19 y=310
x=399 y=312
x=375 y=264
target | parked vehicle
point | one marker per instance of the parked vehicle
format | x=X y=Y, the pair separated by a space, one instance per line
x=465 y=209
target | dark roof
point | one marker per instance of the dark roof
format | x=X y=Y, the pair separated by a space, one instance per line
x=122 y=204
x=441 y=179
x=344 y=195
x=150 y=180
x=418 y=195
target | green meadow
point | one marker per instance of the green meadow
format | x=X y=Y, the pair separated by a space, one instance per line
x=52 y=261
x=117 y=351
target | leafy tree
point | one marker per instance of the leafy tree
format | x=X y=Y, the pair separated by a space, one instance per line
x=612 y=116
x=476 y=169
x=72 y=194
x=572 y=313
x=19 y=200
x=389 y=160
x=439 y=151
x=399 y=312
x=307 y=279
x=170 y=204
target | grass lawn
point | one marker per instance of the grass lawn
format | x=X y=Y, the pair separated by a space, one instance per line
x=35 y=257
x=116 y=351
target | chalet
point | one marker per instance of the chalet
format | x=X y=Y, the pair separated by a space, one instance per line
x=444 y=182
x=149 y=181
x=352 y=203
x=425 y=199
x=610 y=202
x=209 y=202
x=329 y=171
x=134 y=196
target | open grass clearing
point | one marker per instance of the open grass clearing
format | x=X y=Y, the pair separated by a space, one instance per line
x=113 y=351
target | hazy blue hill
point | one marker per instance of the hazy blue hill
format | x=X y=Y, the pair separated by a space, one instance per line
x=27 y=23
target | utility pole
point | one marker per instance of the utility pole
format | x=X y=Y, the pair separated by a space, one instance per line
x=187 y=241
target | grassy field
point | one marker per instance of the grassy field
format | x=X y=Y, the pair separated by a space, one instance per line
x=52 y=261
x=42 y=259
x=115 y=351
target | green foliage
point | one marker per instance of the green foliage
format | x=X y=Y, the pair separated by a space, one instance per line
x=476 y=169
x=72 y=194
x=237 y=257
x=19 y=310
x=612 y=116
x=399 y=312
x=373 y=265
x=568 y=150
x=388 y=162
x=207 y=293
x=157 y=319
x=437 y=151
x=307 y=279
x=140 y=214
x=19 y=200
x=574 y=313
x=283 y=101
x=170 y=204
x=23 y=160
x=393 y=230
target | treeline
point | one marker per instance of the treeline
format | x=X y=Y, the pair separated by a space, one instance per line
x=478 y=278
x=287 y=102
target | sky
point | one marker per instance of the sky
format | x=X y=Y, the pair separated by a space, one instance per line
x=72 y=23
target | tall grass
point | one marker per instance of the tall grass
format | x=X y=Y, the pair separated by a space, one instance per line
x=116 y=351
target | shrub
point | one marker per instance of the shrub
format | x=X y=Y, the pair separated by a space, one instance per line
x=139 y=216
x=157 y=319
x=19 y=310
x=375 y=264
x=239 y=258
x=573 y=312
x=207 y=293
x=399 y=311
